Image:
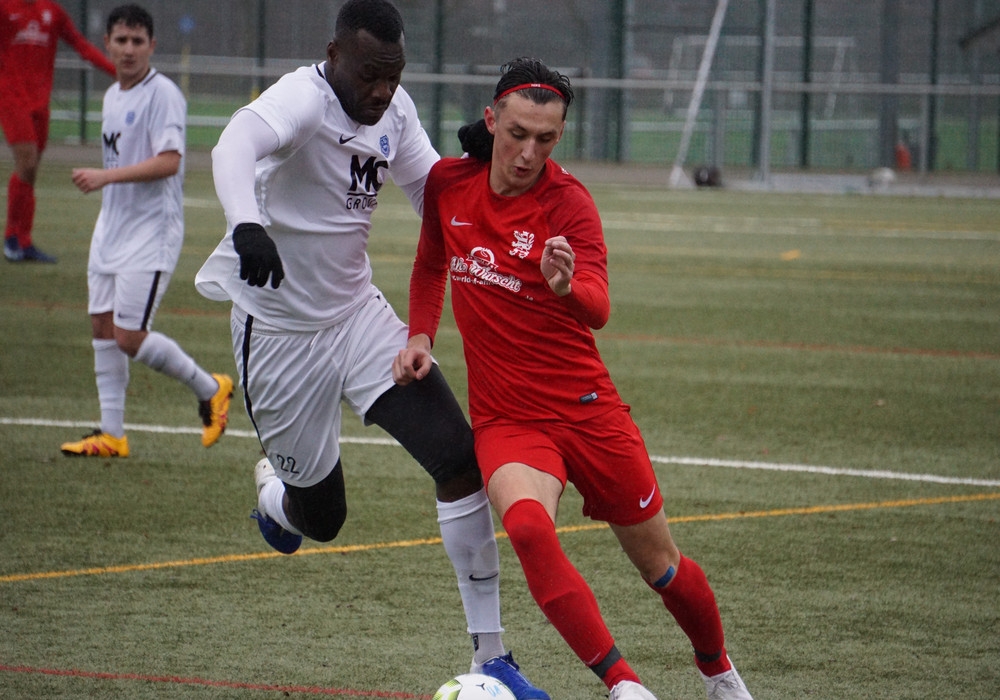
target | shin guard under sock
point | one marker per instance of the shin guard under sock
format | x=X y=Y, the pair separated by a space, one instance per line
x=689 y=598
x=111 y=371
x=558 y=588
x=163 y=354
x=468 y=535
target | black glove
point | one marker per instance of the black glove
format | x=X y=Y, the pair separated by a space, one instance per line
x=259 y=257
x=477 y=140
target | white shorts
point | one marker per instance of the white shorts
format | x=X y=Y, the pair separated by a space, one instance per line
x=134 y=297
x=294 y=381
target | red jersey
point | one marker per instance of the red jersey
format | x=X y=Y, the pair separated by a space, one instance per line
x=29 y=35
x=530 y=354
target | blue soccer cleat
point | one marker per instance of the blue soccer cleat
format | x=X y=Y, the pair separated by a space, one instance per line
x=506 y=670
x=32 y=254
x=278 y=537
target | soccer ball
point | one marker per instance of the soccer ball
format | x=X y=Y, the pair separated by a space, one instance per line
x=473 y=686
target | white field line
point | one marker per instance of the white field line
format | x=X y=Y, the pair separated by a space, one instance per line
x=683 y=461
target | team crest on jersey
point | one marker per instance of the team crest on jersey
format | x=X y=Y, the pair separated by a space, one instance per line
x=32 y=35
x=383 y=144
x=130 y=118
x=521 y=246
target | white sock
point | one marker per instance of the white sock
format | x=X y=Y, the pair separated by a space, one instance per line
x=270 y=501
x=164 y=355
x=468 y=535
x=111 y=369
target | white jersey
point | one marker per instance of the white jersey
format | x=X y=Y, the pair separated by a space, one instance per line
x=316 y=194
x=141 y=224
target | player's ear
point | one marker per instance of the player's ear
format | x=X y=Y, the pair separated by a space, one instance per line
x=331 y=53
x=490 y=117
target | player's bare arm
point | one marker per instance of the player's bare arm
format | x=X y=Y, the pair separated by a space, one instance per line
x=414 y=361
x=158 y=167
x=557 y=265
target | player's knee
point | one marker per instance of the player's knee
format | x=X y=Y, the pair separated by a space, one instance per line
x=319 y=511
x=326 y=527
x=457 y=487
x=314 y=520
x=530 y=529
x=455 y=463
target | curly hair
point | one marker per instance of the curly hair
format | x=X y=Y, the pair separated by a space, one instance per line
x=379 y=18
x=476 y=139
x=529 y=71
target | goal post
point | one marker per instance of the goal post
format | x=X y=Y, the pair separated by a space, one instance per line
x=677 y=172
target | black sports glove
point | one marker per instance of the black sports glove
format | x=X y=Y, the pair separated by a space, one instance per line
x=477 y=140
x=259 y=257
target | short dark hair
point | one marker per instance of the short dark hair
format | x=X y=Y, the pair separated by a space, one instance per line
x=379 y=18
x=526 y=71
x=131 y=16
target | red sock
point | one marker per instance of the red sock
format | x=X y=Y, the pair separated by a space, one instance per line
x=20 y=210
x=559 y=589
x=690 y=600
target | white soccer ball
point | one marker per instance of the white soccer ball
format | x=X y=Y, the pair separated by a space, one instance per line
x=473 y=686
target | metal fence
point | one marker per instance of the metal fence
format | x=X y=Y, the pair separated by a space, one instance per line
x=853 y=86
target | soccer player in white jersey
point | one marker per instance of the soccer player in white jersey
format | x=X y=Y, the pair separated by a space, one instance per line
x=298 y=173
x=138 y=237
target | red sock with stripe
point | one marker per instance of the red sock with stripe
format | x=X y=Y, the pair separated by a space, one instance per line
x=690 y=600
x=561 y=592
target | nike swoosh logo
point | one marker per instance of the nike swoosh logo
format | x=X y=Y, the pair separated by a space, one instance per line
x=456 y=222
x=643 y=502
x=473 y=577
x=344 y=139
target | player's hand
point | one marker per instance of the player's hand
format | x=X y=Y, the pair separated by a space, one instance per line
x=88 y=180
x=557 y=265
x=259 y=257
x=413 y=362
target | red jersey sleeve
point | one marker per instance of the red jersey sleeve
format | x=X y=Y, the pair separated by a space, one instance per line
x=88 y=52
x=430 y=268
x=588 y=299
x=574 y=215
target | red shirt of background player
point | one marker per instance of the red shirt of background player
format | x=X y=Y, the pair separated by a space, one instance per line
x=29 y=36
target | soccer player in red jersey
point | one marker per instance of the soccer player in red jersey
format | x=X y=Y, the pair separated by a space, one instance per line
x=521 y=240
x=30 y=31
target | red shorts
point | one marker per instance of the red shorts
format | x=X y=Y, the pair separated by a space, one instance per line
x=25 y=125
x=605 y=458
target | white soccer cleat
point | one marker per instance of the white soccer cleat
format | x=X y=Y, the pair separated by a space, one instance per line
x=263 y=472
x=726 y=686
x=628 y=690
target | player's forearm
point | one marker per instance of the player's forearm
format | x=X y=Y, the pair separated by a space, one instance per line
x=158 y=167
x=588 y=301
